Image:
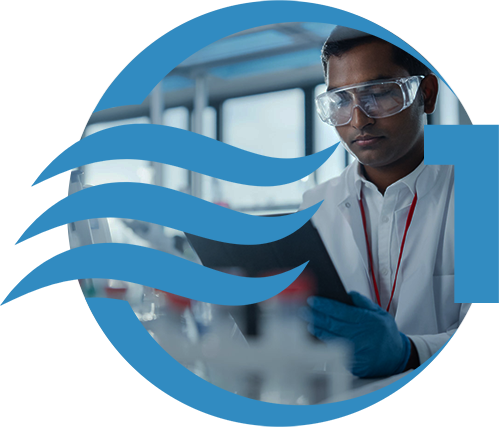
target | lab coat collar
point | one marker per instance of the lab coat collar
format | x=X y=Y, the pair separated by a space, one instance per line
x=409 y=181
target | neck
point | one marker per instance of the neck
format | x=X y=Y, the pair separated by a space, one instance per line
x=385 y=176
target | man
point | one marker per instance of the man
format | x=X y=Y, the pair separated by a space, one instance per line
x=388 y=220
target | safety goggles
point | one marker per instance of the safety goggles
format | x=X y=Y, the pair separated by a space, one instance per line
x=376 y=99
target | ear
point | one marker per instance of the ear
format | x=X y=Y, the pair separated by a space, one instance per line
x=429 y=88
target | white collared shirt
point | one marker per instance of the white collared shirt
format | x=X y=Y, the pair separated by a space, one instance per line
x=423 y=305
x=380 y=218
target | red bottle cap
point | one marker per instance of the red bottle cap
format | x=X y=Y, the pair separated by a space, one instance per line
x=178 y=302
x=116 y=293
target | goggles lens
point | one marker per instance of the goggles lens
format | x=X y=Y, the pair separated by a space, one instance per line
x=383 y=98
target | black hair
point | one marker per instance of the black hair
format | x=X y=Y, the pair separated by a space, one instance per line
x=400 y=57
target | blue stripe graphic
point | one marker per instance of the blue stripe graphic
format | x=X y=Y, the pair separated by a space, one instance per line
x=186 y=150
x=169 y=208
x=166 y=272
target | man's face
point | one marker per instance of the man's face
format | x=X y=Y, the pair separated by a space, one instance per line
x=377 y=142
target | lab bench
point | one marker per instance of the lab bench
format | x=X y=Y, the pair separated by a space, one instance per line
x=78 y=366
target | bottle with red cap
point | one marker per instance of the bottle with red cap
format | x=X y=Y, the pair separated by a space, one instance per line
x=284 y=337
x=116 y=289
x=280 y=320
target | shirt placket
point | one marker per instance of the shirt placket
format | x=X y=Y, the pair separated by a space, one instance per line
x=385 y=232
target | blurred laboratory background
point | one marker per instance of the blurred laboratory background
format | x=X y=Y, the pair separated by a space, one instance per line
x=254 y=90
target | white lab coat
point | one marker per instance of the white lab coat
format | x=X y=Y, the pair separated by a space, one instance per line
x=426 y=311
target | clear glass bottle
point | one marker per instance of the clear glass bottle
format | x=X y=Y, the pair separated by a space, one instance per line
x=284 y=340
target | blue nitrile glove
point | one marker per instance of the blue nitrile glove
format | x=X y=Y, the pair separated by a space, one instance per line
x=379 y=348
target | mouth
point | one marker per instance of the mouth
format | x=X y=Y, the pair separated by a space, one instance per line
x=367 y=140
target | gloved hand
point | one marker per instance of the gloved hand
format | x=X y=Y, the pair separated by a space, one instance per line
x=379 y=348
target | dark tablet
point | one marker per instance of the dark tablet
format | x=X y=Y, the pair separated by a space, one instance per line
x=303 y=245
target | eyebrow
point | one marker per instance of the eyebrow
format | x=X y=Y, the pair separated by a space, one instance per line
x=380 y=77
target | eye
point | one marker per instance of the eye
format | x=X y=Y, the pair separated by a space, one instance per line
x=341 y=99
x=383 y=94
x=380 y=91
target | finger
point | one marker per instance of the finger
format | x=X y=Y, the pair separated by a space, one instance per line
x=361 y=301
x=336 y=327
x=306 y=314
x=322 y=334
x=327 y=323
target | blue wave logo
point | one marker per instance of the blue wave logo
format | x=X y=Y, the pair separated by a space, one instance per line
x=206 y=156
x=153 y=204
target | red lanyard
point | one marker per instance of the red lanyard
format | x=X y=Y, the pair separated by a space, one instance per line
x=371 y=264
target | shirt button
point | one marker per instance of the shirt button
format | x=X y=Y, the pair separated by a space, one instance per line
x=347 y=204
x=385 y=219
x=384 y=272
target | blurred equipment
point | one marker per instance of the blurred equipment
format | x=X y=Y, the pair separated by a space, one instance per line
x=89 y=231
x=281 y=363
x=154 y=234
x=95 y=231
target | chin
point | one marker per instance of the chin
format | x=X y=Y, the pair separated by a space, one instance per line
x=365 y=156
x=373 y=162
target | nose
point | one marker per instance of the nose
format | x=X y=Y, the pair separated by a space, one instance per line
x=360 y=119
